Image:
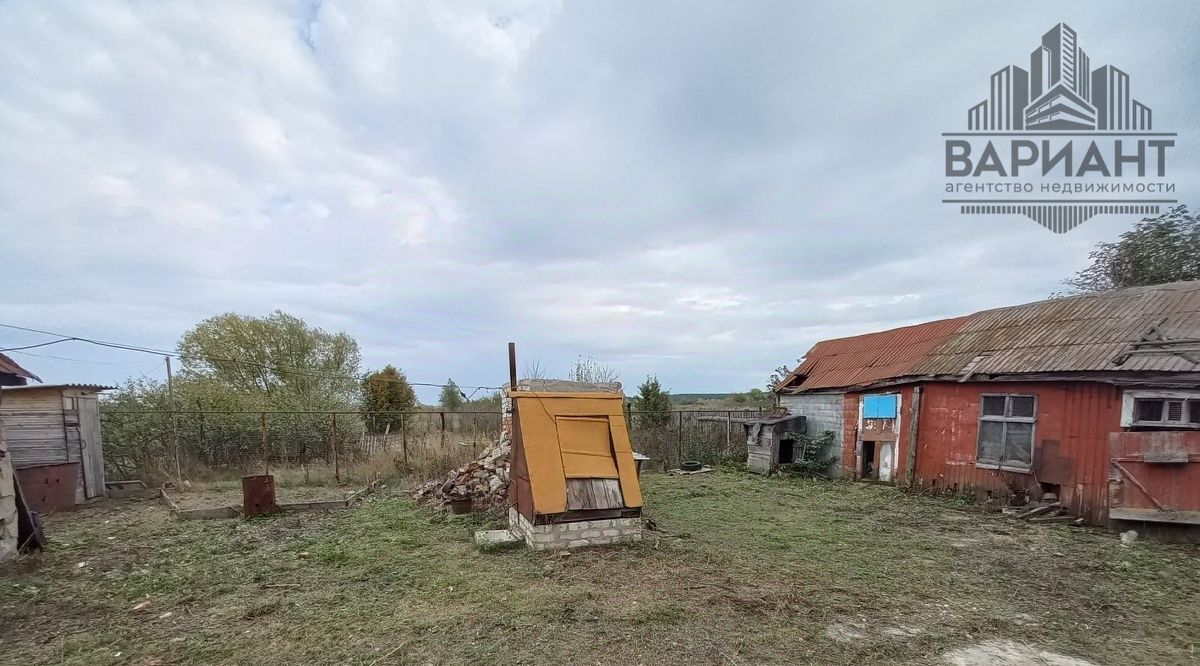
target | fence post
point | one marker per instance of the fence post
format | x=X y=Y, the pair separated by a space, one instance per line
x=679 y=438
x=443 y=436
x=337 y=471
x=404 y=436
x=266 y=450
x=728 y=436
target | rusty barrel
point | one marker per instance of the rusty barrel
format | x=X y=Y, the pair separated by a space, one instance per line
x=258 y=495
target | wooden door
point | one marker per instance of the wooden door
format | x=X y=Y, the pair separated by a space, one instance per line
x=91 y=448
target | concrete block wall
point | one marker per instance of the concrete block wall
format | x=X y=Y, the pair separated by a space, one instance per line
x=822 y=411
x=557 y=536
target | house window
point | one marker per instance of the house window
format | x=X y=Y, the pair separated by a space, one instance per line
x=1006 y=425
x=1177 y=410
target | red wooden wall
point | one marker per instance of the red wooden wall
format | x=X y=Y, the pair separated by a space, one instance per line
x=1070 y=440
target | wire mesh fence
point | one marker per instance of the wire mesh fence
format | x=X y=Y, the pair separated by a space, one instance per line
x=706 y=436
x=162 y=444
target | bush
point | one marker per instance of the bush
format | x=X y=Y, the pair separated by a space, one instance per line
x=811 y=454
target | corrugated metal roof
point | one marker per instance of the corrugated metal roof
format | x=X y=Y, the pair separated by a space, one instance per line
x=12 y=373
x=1086 y=333
x=94 y=387
x=864 y=359
x=1075 y=334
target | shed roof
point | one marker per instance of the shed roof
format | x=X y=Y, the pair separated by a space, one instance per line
x=39 y=387
x=865 y=359
x=12 y=374
x=1085 y=333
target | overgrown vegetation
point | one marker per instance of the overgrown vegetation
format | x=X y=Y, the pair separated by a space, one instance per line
x=744 y=570
x=811 y=456
x=1160 y=249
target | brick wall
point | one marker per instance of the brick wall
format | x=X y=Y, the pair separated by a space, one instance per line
x=557 y=536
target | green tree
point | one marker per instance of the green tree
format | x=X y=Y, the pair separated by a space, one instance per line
x=1157 y=250
x=452 y=397
x=652 y=403
x=760 y=398
x=278 y=357
x=387 y=393
x=778 y=376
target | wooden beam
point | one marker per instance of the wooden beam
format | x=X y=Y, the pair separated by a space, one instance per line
x=914 y=415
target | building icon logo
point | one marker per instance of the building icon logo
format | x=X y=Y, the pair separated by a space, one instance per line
x=1065 y=131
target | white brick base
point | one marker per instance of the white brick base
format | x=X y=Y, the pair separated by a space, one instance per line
x=556 y=536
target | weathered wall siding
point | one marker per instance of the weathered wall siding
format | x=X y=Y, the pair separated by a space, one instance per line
x=40 y=431
x=1070 y=441
x=851 y=407
x=822 y=412
x=1175 y=486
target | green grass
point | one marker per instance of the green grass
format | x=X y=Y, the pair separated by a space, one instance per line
x=744 y=570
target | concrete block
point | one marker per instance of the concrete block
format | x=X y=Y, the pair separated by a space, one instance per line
x=496 y=539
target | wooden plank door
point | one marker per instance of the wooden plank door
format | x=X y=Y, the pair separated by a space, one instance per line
x=92 y=450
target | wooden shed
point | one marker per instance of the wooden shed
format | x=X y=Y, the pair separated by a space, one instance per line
x=11 y=374
x=572 y=457
x=53 y=436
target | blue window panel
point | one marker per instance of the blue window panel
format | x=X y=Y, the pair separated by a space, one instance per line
x=880 y=406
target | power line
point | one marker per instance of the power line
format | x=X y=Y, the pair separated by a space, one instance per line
x=76 y=360
x=276 y=369
x=41 y=344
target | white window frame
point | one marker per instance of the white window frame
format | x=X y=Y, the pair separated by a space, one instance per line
x=1032 y=420
x=1129 y=413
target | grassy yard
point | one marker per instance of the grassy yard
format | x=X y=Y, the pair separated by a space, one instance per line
x=744 y=570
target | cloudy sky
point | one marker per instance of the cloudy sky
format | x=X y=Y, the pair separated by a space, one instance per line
x=695 y=190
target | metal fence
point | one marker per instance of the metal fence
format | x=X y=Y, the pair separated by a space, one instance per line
x=138 y=441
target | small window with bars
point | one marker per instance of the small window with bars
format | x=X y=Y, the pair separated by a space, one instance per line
x=1167 y=412
x=1006 y=430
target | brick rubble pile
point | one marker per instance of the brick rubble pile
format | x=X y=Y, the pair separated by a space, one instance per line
x=483 y=480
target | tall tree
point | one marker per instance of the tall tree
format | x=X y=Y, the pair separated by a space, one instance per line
x=279 y=357
x=451 y=398
x=652 y=403
x=1158 y=249
x=387 y=393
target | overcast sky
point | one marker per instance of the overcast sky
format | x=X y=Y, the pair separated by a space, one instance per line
x=695 y=190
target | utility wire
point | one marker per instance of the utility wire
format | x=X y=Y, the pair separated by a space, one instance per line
x=76 y=360
x=43 y=344
x=272 y=368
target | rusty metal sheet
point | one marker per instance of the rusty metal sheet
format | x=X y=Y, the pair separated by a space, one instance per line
x=49 y=488
x=864 y=359
x=1076 y=334
x=258 y=495
x=1155 y=476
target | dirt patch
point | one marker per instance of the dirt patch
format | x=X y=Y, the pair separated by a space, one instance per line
x=1009 y=653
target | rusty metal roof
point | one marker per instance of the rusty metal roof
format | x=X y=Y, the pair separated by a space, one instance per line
x=1087 y=333
x=865 y=359
x=12 y=374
